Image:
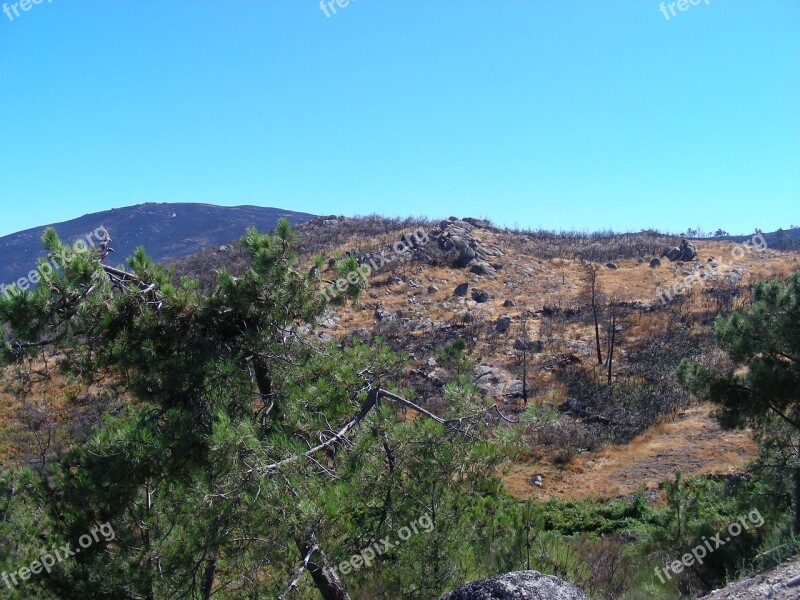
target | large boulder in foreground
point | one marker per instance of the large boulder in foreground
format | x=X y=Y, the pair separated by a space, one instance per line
x=522 y=585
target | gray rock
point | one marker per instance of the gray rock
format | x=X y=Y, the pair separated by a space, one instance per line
x=508 y=303
x=529 y=346
x=381 y=314
x=432 y=289
x=522 y=585
x=514 y=389
x=483 y=268
x=465 y=255
x=688 y=251
x=655 y=263
x=461 y=290
x=673 y=255
x=502 y=324
x=612 y=266
x=480 y=297
x=684 y=252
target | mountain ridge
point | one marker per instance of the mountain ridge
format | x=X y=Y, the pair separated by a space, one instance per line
x=168 y=231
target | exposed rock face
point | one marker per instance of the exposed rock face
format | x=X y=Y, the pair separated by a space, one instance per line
x=456 y=238
x=780 y=583
x=522 y=585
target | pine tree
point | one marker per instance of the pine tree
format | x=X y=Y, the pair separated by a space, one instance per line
x=761 y=386
x=243 y=438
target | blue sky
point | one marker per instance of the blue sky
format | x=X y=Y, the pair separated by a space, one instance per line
x=554 y=114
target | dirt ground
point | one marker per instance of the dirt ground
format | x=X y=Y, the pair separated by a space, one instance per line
x=693 y=443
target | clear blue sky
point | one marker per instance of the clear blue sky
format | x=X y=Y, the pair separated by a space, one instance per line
x=579 y=114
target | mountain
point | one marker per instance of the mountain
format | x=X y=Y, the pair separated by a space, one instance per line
x=782 y=239
x=168 y=231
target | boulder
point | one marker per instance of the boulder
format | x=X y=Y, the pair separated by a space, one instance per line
x=522 y=585
x=529 y=346
x=508 y=303
x=461 y=290
x=612 y=266
x=688 y=252
x=480 y=297
x=655 y=263
x=465 y=255
x=502 y=324
x=483 y=268
x=683 y=252
x=673 y=255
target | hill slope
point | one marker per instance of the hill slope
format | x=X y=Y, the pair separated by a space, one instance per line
x=168 y=231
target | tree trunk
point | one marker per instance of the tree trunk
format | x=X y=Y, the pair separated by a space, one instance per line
x=611 y=346
x=322 y=573
x=208 y=575
x=593 y=275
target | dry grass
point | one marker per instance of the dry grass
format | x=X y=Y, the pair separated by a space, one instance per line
x=693 y=443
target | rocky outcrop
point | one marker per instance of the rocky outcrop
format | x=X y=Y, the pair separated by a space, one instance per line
x=522 y=585
x=455 y=237
x=780 y=583
x=683 y=252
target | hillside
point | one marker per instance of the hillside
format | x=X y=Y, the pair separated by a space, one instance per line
x=528 y=290
x=168 y=231
x=506 y=318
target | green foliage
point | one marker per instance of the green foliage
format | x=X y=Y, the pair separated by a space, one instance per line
x=204 y=477
x=764 y=346
x=455 y=357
